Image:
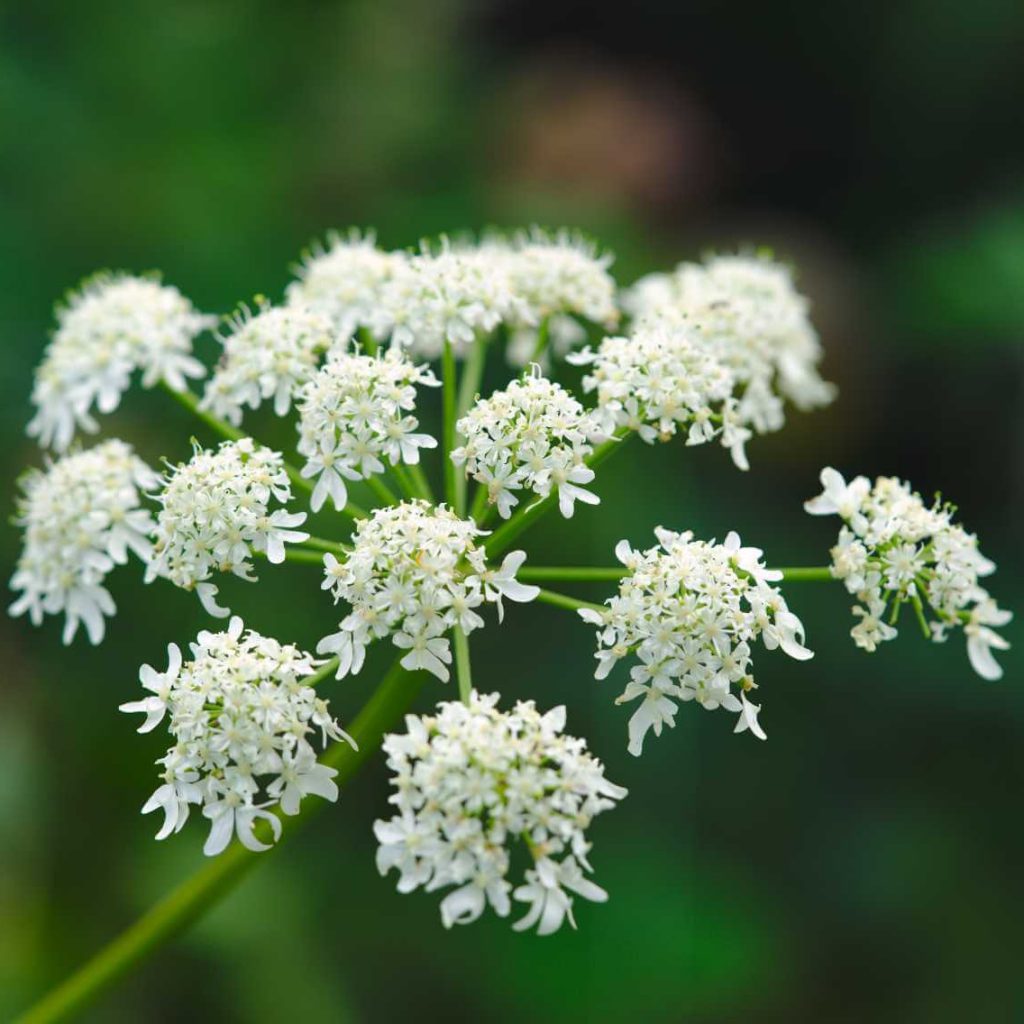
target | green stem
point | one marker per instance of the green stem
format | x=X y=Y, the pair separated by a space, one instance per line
x=564 y=601
x=381 y=489
x=922 y=621
x=230 y=433
x=479 y=507
x=190 y=402
x=367 y=341
x=526 y=516
x=404 y=481
x=472 y=374
x=187 y=903
x=576 y=573
x=448 y=426
x=813 y=572
x=543 y=339
x=419 y=478
x=335 y=547
x=463 y=671
x=328 y=668
x=297 y=553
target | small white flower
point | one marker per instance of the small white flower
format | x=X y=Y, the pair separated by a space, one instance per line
x=240 y=717
x=80 y=518
x=160 y=685
x=840 y=498
x=690 y=611
x=414 y=573
x=470 y=781
x=114 y=325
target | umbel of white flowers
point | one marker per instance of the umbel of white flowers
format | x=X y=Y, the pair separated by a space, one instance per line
x=470 y=782
x=266 y=355
x=689 y=612
x=532 y=436
x=241 y=719
x=215 y=512
x=114 y=325
x=414 y=573
x=355 y=414
x=894 y=550
x=80 y=518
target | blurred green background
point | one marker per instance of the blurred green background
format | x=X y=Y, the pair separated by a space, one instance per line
x=864 y=863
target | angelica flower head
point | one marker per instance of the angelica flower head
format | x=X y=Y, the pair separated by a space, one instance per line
x=80 y=517
x=267 y=355
x=355 y=413
x=690 y=611
x=242 y=719
x=414 y=573
x=748 y=311
x=471 y=781
x=114 y=325
x=215 y=513
x=532 y=436
x=344 y=281
x=661 y=381
x=455 y=294
x=893 y=550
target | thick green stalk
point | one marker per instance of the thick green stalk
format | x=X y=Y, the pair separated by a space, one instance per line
x=189 y=901
x=564 y=601
x=448 y=425
x=334 y=546
x=463 y=671
x=813 y=572
x=297 y=553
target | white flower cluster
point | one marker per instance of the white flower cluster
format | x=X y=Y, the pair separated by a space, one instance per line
x=558 y=278
x=661 y=380
x=356 y=412
x=344 y=282
x=241 y=716
x=748 y=312
x=532 y=436
x=215 y=512
x=894 y=550
x=689 y=611
x=80 y=518
x=457 y=294
x=469 y=781
x=114 y=325
x=267 y=355
x=414 y=573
